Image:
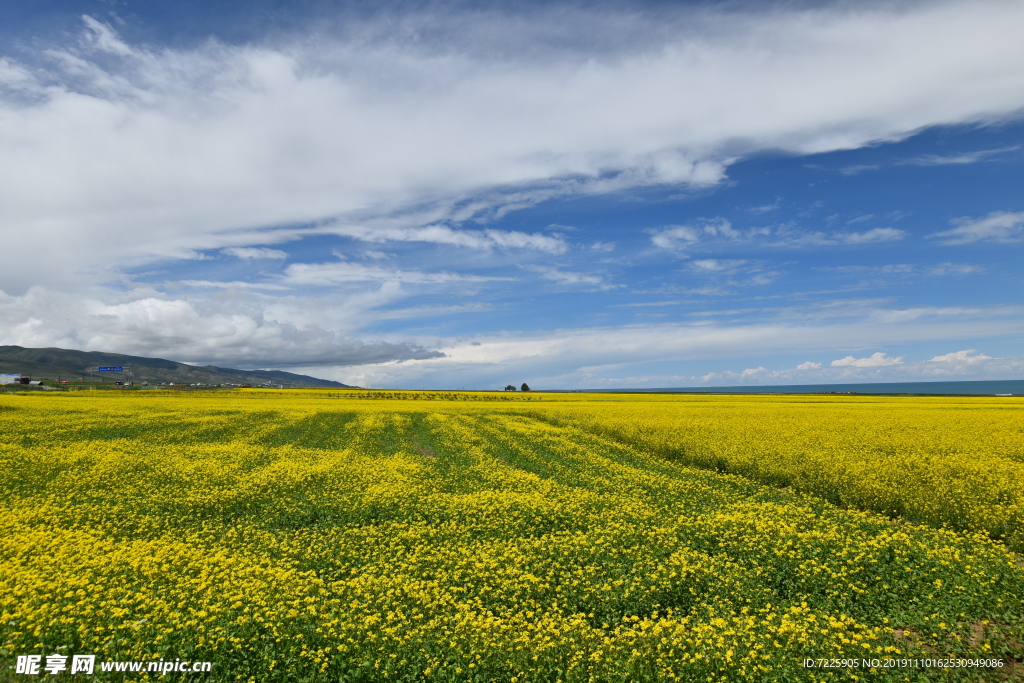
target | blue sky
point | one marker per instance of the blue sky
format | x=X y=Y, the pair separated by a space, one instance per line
x=465 y=195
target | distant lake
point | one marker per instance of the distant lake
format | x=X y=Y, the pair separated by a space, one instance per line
x=1009 y=386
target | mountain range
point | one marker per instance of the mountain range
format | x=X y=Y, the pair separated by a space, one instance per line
x=56 y=364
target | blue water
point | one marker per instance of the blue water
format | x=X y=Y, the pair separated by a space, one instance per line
x=1010 y=386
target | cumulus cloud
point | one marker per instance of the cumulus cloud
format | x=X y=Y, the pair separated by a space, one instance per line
x=677 y=237
x=241 y=334
x=961 y=357
x=809 y=365
x=1000 y=226
x=875 y=360
x=255 y=253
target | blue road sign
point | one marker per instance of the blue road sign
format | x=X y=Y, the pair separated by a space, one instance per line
x=113 y=368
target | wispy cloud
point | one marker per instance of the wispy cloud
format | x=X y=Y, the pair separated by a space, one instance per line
x=957 y=159
x=788 y=236
x=999 y=226
x=326 y=274
x=766 y=208
x=887 y=269
x=232 y=284
x=443 y=234
x=711 y=265
x=957 y=365
x=680 y=239
x=907 y=269
x=255 y=253
x=871 y=236
x=857 y=169
x=961 y=158
x=569 y=278
x=955 y=269
x=675 y=238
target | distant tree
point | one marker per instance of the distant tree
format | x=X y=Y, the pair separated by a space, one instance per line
x=525 y=387
x=510 y=387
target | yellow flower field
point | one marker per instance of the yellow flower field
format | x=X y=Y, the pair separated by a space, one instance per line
x=431 y=536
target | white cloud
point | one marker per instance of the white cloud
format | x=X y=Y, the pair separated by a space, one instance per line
x=240 y=333
x=103 y=38
x=895 y=315
x=325 y=274
x=765 y=208
x=946 y=268
x=715 y=265
x=234 y=284
x=113 y=153
x=557 y=358
x=255 y=253
x=957 y=159
x=888 y=269
x=733 y=272
x=252 y=327
x=443 y=234
x=875 y=360
x=955 y=269
x=873 y=235
x=857 y=169
x=932 y=160
x=1000 y=226
x=961 y=357
x=676 y=237
x=564 y=277
x=948 y=367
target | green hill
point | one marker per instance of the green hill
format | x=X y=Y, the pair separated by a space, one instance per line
x=76 y=366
